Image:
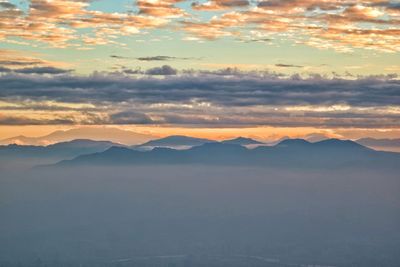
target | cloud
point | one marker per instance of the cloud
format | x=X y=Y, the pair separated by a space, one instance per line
x=342 y=25
x=222 y=98
x=160 y=8
x=56 y=23
x=225 y=25
x=20 y=62
x=22 y=120
x=118 y=57
x=162 y=58
x=288 y=66
x=257 y=40
x=7 y=5
x=228 y=87
x=4 y=69
x=42 y=70
x=216 y=5
x=15 y=60
x=154 y=58
x=129 y=117
x=133 y=72
x=163 y=70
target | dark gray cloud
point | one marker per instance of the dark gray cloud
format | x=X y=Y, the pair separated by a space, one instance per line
x=4 y=69
x=7 y=5
x=35 y=70
x=118 y=57
x=221 y=98
x=279 y=120
x=154 y=58
x=11 y=120
x=217 y=89
x=395 y=5
x=133 y=71
x=288 y=66
x=157 y=58
x=130 y=117
x=165 y=58
x=20 y=62
x=163 y=70
x=42 y=70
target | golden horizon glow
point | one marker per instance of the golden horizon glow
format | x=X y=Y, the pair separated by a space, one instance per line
x=266 y=134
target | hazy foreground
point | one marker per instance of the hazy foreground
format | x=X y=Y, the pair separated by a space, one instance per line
x=200 y=216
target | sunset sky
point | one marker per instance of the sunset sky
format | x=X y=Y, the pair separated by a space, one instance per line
x=217 y=68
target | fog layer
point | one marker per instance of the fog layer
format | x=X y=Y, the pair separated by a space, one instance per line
x=199 y=216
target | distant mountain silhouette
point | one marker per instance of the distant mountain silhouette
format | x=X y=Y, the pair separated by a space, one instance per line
x=316 y=137
x=242 y=141
x=327 y=153
x=59 y=151
x=288 y=153
x=381 y=144
x=185 y=142
x=173 y=141
x=92 y=133
x=293 y=143
x=339 y=144
x=20 y=140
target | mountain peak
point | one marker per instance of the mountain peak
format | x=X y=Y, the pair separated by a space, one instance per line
x=176 y=140
x=293 y=142
x=242 y=141
x=338 y=142
x=83 y=143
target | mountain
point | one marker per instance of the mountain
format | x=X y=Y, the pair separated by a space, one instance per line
x=329 y=152
x=64 y=149
x=19 y=155
x=293 y=143
x=78 y=147
x=381 y=144
x=288 y=153
x=243 y=141
x=316 y=137
x=208 y=153
x=93 y=133
x=20 y=140
x=185 y=142
x=173 y=141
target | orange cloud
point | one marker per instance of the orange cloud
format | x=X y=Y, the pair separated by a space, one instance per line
x=160 y=8
x=338 y=24
x=16 y=59
x=56 y=22
x=215 y=5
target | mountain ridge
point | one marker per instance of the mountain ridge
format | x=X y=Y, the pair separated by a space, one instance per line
x=332 y=152
x=173 y=141
x=96 y=133
x=59 y=150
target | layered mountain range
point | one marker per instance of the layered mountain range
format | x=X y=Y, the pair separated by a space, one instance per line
x=290 y=152
x=190 y=150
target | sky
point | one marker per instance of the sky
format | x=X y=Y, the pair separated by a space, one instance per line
x=215 y=68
